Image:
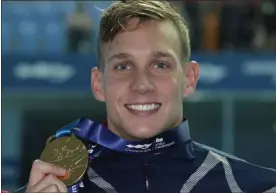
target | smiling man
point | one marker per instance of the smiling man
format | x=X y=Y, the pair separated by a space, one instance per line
x=144 y=74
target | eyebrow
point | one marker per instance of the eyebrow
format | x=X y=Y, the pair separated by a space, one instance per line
x=156 y=54
x=119 y=56
x=159 y=54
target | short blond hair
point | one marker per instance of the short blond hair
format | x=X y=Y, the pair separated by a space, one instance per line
x=117 y=15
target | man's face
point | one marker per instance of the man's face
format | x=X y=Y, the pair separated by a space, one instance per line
x=144 y=80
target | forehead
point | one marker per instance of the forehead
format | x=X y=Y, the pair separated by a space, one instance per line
x=148 y=37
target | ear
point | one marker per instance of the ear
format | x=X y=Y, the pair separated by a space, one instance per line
x=191 y=72
x=97 y=84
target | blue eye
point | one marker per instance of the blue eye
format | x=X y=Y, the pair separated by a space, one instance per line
x=161 y=65
x=123 y=67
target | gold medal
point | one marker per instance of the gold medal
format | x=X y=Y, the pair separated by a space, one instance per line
x=69 y=153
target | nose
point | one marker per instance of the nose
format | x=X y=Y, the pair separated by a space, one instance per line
x=142 y=82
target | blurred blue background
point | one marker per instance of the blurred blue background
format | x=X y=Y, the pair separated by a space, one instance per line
x=48 y=50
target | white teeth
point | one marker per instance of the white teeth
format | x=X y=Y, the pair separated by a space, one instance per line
x=144 y=107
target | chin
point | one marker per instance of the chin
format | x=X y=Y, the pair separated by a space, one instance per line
x=143 y=133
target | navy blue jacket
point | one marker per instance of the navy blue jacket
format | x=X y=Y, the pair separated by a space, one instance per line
x=184 y=167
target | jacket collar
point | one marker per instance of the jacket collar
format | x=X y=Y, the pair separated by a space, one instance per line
x=183 y=145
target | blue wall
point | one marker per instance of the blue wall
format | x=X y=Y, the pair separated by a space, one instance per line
x=61 y=72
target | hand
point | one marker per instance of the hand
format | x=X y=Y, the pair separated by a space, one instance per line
x=43 y=178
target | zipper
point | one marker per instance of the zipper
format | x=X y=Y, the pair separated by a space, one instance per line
x=146 y=178
x=147 y=184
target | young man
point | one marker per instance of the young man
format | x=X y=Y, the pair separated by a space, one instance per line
x=143 y=75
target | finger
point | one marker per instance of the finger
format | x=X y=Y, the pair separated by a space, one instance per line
x=47 y=181
x=40 y=169
x=50 y=188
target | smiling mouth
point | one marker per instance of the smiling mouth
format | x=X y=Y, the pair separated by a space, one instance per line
x=146 y=107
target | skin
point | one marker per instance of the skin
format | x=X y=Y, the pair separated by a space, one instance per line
x=144 y=65
x=43 y=178
x=151 y=70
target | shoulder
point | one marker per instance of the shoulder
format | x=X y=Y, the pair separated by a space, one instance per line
x=248 y=176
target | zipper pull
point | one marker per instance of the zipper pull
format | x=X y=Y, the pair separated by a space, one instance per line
x=147 y=184
x=146 y=177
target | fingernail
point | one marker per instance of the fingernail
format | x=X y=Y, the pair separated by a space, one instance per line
x=38 y=160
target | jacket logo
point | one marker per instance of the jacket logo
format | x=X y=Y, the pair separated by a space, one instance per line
x=144 y=146
x=159 y=140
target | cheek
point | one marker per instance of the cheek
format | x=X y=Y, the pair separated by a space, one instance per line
x=115 y=86
x=175 y=89
x=170 y=87
x=171 y=81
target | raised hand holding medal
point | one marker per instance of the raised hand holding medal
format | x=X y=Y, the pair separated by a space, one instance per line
x=67 y=152
x=43 y=178
x=62 y=163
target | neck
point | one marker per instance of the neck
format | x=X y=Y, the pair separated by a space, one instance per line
x=121 y=133
x=124 y=135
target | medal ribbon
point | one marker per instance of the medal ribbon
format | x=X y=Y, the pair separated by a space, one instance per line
x=98 y=134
